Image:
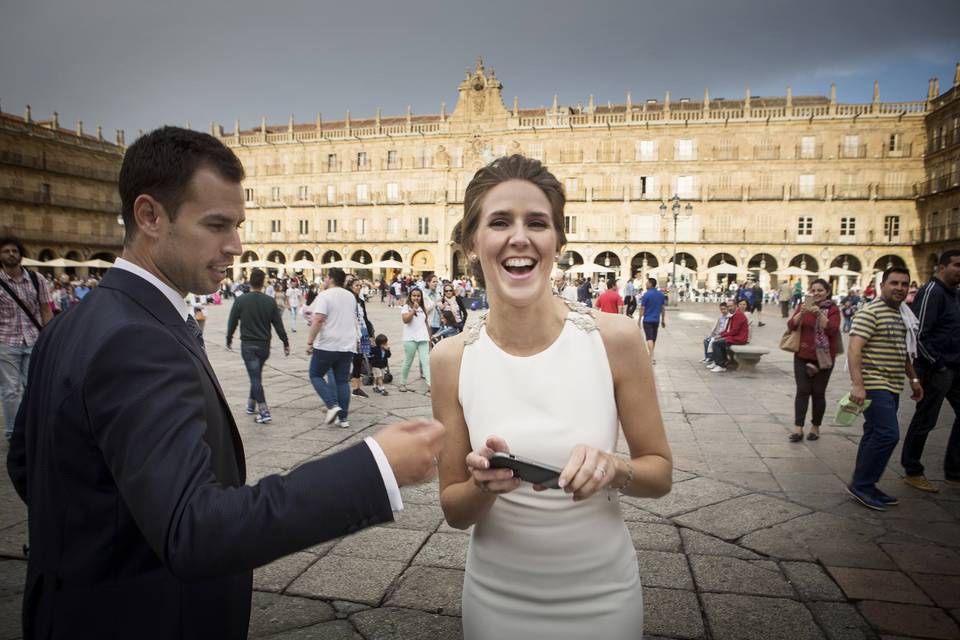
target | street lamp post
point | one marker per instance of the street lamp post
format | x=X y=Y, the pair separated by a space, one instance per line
x=675 y=210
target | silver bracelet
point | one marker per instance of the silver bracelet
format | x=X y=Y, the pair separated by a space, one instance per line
x=629 y=478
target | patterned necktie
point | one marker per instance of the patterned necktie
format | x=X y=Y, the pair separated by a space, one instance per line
x=195 y=331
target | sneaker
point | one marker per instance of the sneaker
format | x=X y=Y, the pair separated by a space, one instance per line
x=263 y=417
x=709 y=364
x=868 y=501
x=402 y=388
x=360 y=393
x=384 y=392
x=718 y=369
x=332 y=414
x=251 y=407
x=887 y=499
x=343 y=424
x=920 y=482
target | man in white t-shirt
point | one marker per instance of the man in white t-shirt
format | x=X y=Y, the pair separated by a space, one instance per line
x=333 y=338
x=294 y=295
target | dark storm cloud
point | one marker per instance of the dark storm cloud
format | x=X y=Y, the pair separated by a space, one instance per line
x=137 y=65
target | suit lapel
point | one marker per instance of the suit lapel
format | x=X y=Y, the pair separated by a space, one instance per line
x=154 y=302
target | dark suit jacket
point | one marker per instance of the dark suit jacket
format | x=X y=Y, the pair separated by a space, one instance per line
x=132 y=468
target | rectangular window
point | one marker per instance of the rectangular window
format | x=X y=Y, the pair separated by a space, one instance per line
x=807 y=184
x=332 y=225
x=393 y=192
x=248 y=229
x=686 y=150
x=304 y=227
x=275 y=194
x=331 y=194
x=393 y=227
x=363 y=193
x=848 y=227
x=646 y=150
x=808 y=147
x=893 y=143
x=645 y=188
x=686 y=186
x=891 y=227
x=805 y=226
x=362 y=160
x=331 y=162
x=570 y=224
x=303 y=192
x=361 y=226
x=851 y=146
x=535 y=151
x=571 y=187
x=248 y=195
x=423 y=226
x=392 y=162
x=274 y=226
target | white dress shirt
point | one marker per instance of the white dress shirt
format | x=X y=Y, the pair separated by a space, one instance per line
x=389 y=480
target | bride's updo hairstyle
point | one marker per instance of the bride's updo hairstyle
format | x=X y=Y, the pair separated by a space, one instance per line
x=515 y=167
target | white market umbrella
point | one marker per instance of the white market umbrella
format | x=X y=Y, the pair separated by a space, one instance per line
x=591 y=268
x=262 y=264
x=794 y=271
x=840 y=271
x=30 y=262
x=97 y=263
x=302 y=264
x=723 y=268
x=62 y=262
x=388 y=264
x=667 y=270
x=346 y=264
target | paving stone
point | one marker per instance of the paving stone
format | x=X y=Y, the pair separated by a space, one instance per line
x=426 y=493
x=739 y=516
x=671 y=612
x=733 y=575
x=277 y=575
x=632 y=513
x=812 y=582
x=810 y=482
x=448 y=550
x=656 y=537
x=420 y=517
x=841 y=621
x=336 y=630
x=749 y=480
x=924 y=558
x=943 y=533
x=737 y=617
x=388 y=623
x=429 y=589
x=271 y=613
x=944 y=590
x=690 y=495
x=909 y=620
x=889 y=586
x=662 y=569
x=786 y=450
x=382 y=543
x=344 y=578
x=345 y=608
x=703 y=544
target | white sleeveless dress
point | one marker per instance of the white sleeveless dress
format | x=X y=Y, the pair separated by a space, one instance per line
x=540 y=565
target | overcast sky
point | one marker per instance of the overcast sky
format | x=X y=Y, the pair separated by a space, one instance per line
x=133 y=64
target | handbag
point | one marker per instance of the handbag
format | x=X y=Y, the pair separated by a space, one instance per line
x=387 y=376
x=790 y=340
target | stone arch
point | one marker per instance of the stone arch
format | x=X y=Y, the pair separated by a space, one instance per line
x=608 y=259
x=362 y=256
x=303 y=254
x=570 y=259
x=805 y=261
x=459 y=263
x=717 y=258
x=890 y=260
x=330 y=256
x=249 y=256
x=456 y=234
x=390 y=254
x=109 y=256
x=46 y=254
x=686 y=260
x=277 y=256
x=761 y=266
x=422 y=261
x=73 y=255
x=637 y=263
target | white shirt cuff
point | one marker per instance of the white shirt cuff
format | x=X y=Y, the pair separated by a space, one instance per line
x=389 y=480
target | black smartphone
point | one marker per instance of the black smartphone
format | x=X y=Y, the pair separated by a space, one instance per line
x=527 y=470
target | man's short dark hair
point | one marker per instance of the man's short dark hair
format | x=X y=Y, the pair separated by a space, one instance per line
x=162 y=163
x=611 y=283
x=887 y=273
x=337 y=275
x=256 y=278
x=944 y=260
x=652 y=281
x=15 y=242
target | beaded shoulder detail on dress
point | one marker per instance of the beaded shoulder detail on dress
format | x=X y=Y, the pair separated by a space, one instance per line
x=582 y=317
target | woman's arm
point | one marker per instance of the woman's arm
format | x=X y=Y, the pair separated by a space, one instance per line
x=409 y=315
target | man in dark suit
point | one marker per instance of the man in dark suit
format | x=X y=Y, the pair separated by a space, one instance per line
x=125 y=449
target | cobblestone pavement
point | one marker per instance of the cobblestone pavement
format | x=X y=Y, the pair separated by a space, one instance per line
x=756 y=540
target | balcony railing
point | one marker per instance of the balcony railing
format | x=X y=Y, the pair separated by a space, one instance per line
x=903 y=151
x=568 y=156
x=608 y=155
x=895 y=192
x=941 y=233
x=726 y=153
x=725 y=192
x=940 y=184
x=816 y=153
x=798 y=192
x=766 y=153
x=37 y=197
x=606 y=193
x=765 y=192
x=851 y=191
x=852 y=152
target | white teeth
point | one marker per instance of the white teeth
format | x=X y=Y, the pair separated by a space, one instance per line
x=518 y=262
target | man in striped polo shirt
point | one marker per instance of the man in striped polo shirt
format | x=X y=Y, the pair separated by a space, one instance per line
x=878 y=360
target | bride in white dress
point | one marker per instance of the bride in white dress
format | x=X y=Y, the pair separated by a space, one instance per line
x=554 y=383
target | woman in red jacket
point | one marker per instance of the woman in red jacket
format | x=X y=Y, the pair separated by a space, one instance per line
x=819 y=321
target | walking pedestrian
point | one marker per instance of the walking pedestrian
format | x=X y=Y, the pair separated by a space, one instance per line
x=332 y=343
x=24 y=310
x=818 y=321
x=416 y=337
x=365 y=327
x=610 y=301
x=294 y=297
x=785 y=294
x=630 y=296
x=879 y=356
x=652 y=315
x=758 y=304
x=937 y=306
x=255 y=313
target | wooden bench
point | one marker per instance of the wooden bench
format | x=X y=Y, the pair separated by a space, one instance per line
x=745 y=357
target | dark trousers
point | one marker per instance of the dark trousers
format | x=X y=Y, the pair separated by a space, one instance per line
x=254 y=355
x=809 y=387
x=785 y=308
x=937 y=386
x=631 y=302
x=880 y=435
x=337 y=394
x=721 y=353
x=706 y=347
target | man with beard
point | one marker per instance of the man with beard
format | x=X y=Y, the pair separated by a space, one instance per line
x=24 y=310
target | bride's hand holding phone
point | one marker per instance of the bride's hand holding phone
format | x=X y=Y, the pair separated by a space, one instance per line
x=487 y=479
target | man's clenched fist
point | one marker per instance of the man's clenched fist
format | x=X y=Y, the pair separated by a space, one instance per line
x=412 y=448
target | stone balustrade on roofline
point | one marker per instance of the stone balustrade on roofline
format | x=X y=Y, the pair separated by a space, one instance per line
x=49 y=131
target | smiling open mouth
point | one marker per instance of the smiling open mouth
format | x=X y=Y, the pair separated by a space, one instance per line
x=519 y=266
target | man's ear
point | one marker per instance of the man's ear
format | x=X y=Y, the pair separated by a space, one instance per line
x=147 y=213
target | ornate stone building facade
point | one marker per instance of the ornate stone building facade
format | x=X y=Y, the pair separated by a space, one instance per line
x=58 y=189
x=772 y=182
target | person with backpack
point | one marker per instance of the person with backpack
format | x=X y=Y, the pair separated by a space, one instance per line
x=24 y=310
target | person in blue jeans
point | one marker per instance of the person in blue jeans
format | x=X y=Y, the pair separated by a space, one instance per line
x=878 y=357
x=652 y=314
